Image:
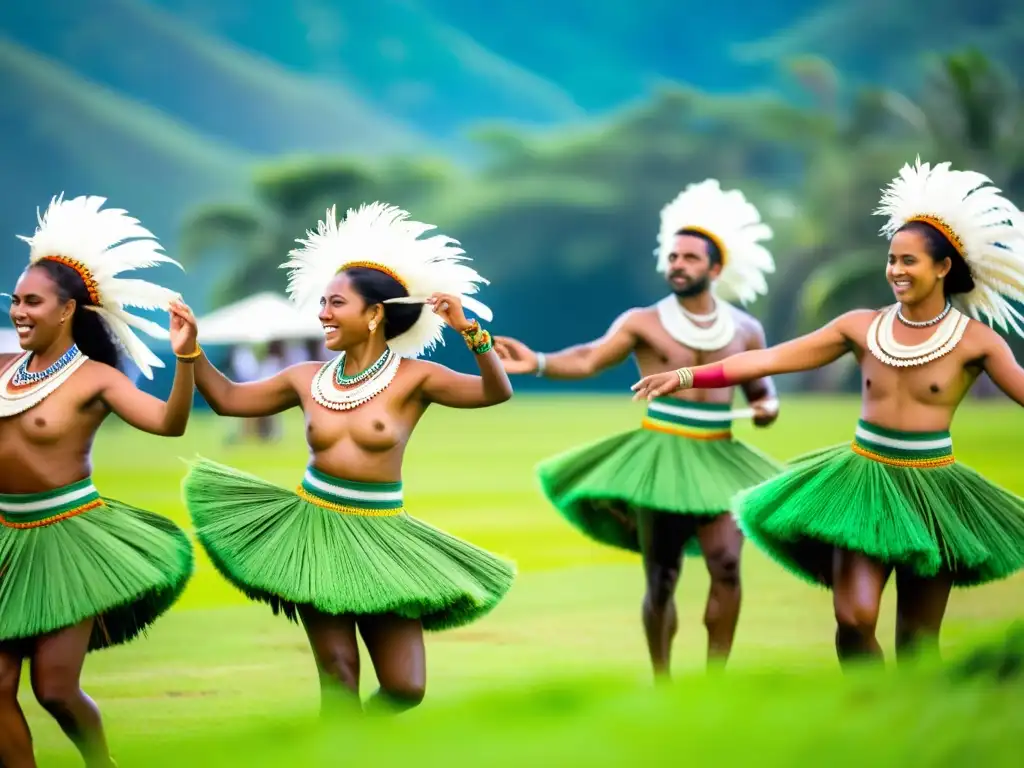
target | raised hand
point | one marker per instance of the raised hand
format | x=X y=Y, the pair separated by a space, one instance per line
x=184 y=330
x=515 y=356
x=449 y=308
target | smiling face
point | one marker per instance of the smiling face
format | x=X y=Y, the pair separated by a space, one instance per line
x=37 y=311
x=345 y=315
x=912 y=271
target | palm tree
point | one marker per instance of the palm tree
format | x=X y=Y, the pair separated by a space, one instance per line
x=968 y=114
x=290 y=198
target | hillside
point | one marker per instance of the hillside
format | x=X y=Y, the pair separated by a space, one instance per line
x=242 y=98
x=64 y=133
x=894 y=51
x=397 y=54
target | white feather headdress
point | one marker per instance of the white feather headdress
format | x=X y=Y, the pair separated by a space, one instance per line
x=734 y=224
x=986 y=229
x=381 y=236
x=99 y=245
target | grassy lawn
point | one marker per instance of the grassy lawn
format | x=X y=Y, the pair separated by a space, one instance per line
x=217 y=663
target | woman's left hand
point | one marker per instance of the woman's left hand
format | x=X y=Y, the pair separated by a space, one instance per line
x=449 y=307
x=184 y=329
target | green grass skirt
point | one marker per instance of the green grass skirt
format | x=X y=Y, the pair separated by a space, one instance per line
x=122 y=565
x=282 y=550
x=927 y=520
x=600 y=486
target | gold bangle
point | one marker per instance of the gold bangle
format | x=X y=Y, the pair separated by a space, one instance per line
x=189 y=358
x=685 y=378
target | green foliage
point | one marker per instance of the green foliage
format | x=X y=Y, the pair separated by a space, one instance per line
x=575 y=213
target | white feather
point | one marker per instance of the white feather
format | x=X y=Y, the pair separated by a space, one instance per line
x=990 y=228
x=107 y=242
x=383 y=234
x=736 y=223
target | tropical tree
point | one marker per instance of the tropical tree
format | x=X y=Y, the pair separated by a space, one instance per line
x=290 y=197
x=967 y=113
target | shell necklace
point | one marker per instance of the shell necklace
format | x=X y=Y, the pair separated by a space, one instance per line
x=326 y=386
x=924 y=323
x=883 y=345
x=682 y=327
x=21 y=389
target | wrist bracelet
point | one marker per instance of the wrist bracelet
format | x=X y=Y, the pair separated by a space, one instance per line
x=685 y=378
x=478 y=339
x=542 y=364
x=192 y=357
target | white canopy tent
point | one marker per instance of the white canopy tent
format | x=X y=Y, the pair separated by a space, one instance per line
x=258 y=319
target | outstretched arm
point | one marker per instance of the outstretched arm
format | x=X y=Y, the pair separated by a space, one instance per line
x=251 y=399
x=1001 y=366
x=444 y=386
x=578 y=362
x=802 y=354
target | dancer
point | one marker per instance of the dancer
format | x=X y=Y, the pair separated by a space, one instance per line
x=80 y=571
x=665 y=487
x=895 y=500
x=340 y=552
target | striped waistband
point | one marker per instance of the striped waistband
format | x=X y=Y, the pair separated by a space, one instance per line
x=34 y=510
x=903 y=449
x=350 y=497
x=698 y=421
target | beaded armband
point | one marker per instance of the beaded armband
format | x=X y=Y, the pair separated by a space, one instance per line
x=477 y=339
x=192 y=357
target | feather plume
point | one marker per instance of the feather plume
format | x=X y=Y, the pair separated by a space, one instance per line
x=384 y=235
x=105 y=243
x=985 y=227
x=730 y=219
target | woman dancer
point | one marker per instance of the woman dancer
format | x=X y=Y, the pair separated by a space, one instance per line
x=895 y=500
x=79 y=571
x=340 y=552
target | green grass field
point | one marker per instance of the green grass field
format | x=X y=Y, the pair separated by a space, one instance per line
x=218 y=669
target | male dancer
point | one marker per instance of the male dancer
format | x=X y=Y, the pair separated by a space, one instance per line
x=667 y=486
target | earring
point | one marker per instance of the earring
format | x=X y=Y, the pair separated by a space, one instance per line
x=373 y=326
x=62 y=320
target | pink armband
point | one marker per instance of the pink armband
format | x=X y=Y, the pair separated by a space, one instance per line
x=713 y=378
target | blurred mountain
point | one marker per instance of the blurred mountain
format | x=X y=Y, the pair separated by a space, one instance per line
x=890 y=42
x=63 y=133
x=162 y=104
x=239 y=97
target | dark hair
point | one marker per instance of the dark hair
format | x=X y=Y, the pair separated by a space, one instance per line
x=87 y=329
x=714 y=254
x=959 y=279
x=376 y=286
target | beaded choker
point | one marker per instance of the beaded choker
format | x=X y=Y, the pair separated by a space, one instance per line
x=21 y=389
x=327 y=384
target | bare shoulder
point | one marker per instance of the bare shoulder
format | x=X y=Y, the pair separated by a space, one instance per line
x=981 y=339
x=416 y=371
x=299 y=375
x=856 y=321
x=101 y=372
x=748 y=325
x=636 y=317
